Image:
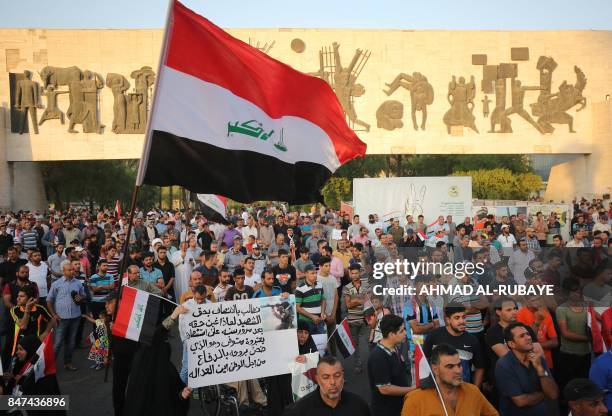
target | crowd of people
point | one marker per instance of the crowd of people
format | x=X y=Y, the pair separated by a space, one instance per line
x=489 y=353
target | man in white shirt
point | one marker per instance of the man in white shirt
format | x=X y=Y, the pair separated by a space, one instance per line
x=506 y=240
x=519 y=261
x=250 y=229
x=250 y=277
x=38 y=273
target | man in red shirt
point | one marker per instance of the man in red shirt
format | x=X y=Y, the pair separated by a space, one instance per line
x=535 y=315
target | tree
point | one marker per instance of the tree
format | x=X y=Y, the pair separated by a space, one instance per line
x=501 y=183
x=99 y=182
x=336 y=190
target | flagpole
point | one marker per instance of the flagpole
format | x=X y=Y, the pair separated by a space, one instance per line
x=144 y=159
x=143 y=162
x=122 y=266
x=433 y=377
x=335 y=329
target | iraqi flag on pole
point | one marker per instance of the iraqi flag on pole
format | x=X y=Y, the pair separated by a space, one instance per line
x=137 y=315
x=45 y=365
x=343 y=339
x=422 y=371
x=213 y=207
x=228 y=119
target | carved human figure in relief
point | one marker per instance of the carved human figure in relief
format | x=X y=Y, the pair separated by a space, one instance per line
x=421 y=94
x=27 y=100
x=461 y=99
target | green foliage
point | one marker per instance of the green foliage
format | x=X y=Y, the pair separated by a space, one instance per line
x=501 y=183
x=336 y=190
x=95 y=182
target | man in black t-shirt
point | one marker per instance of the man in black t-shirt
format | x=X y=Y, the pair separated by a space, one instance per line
x=239 y=291
x=210 y=274
x=284 y=273
x=28 y=317
x=167 y=269
x=387 y=372
x=454 y=334
x=205 y=237
x=330 y=396
x=506 y=310
x=9 y=268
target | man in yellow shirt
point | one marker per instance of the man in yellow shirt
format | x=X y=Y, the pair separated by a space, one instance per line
x=460 y=398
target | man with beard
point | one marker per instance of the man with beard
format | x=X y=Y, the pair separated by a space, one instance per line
x=461 y=399
x=522 y=377
x=329 y=398
x=455 y=334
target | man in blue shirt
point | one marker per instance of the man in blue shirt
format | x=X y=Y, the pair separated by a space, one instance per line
x=147 y=271
x=63 y=302
x=601 y=374
x=267 y=289
x=101 y=284
x=523 y=380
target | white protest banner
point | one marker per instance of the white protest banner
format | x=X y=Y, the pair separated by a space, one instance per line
x=320 y=341
x=303 y=375
x=398 y=197
x=240 y=340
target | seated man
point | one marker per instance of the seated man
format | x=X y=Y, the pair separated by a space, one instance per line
x=522 y=376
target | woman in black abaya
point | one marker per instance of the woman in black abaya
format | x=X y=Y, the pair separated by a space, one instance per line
x=22 y=376
x=154 y=386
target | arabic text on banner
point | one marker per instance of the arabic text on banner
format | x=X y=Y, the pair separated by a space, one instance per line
x=240 y=340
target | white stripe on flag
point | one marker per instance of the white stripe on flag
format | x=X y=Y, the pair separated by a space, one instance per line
x=202 y=111
x=345 y=337
x=137 y=316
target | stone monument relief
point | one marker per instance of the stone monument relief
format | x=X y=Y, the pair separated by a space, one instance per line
x=461 y=99
x=421 y=94
x=343 y=80
x=512 y=102
x=130 y=108
x=549 y=109
x=27 y=100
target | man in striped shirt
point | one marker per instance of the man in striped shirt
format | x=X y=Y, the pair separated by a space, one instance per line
x=354 y=297
x=310 y=303
x=28 y=237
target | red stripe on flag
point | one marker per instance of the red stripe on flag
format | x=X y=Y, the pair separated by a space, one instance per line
x=345 y=325
x=124 y=314
x=199 y=48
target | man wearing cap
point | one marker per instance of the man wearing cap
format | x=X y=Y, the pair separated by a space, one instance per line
x=506 y=240
x=585 y=398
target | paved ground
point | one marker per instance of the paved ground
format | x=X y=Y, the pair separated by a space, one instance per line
x=90 y=395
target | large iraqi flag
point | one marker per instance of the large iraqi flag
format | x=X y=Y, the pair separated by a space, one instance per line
x=227 y=119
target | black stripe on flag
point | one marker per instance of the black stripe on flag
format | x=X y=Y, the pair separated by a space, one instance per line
x=242 y=175
x=210 y=213
x=151 y=317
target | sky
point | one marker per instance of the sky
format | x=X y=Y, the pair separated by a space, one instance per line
x=371 y=14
